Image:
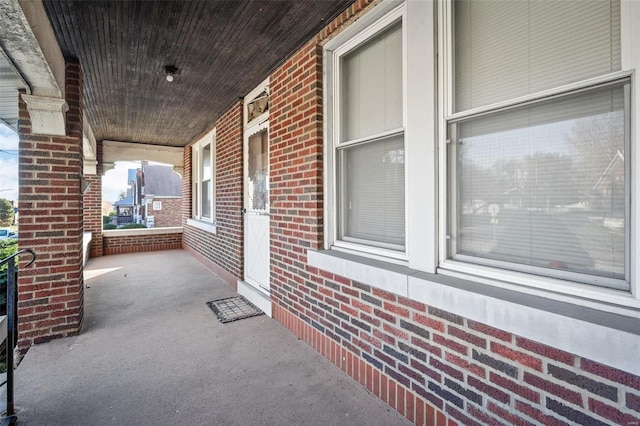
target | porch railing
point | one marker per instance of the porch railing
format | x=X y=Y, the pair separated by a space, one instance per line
x=11 y=322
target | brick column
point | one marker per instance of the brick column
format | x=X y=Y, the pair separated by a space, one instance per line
x=50 y=292
x=92 y=201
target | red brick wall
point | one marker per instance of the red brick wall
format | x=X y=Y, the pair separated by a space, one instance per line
x=92 y=210
x=223 y=251
x=120 y=244
x=169 y=215
x=431 y=366
x=50 y=292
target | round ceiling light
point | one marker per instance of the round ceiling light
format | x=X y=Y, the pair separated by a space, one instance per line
x=170 y=70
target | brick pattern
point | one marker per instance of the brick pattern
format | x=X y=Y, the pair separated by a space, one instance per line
x=121 y=244
x=390 y=390
x=92 y=207
x=296 y=157
x=50 y=292
x=474 y=374
x=169 y=215
x=222 y=251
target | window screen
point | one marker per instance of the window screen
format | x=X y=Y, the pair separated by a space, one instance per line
x=372 y=86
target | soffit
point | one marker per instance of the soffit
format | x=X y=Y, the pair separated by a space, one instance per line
x=222 y=50
x=10 y=83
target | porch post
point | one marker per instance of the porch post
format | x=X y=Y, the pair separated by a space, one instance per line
x=50 y=294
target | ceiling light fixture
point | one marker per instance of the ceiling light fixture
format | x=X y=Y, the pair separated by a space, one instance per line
x=170 y=70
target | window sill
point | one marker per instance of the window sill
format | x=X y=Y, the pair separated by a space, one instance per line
x=577 y=329
x=203 y=226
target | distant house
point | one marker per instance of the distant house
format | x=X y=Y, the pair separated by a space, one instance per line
x=124 y=211
x=156 y=193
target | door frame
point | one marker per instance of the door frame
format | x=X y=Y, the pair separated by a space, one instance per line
x=255 y=214
x=247 y=287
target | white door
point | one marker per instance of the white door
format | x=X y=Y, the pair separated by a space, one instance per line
x=256 y=207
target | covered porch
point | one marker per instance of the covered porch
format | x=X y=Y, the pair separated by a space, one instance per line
x=338 y=205
x=152 y=352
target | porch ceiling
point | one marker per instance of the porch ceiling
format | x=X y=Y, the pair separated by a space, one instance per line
x=222 y=50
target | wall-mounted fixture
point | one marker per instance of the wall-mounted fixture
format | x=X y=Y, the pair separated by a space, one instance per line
x=170 y=70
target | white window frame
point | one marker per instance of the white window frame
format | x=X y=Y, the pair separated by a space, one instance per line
x=588 y=314
x=556 y=288
x=197 y=220
x=418 y=132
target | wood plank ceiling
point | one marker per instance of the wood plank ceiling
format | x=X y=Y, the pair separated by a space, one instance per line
x=222 y=50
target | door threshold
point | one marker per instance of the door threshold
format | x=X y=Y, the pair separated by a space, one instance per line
x=255 y=296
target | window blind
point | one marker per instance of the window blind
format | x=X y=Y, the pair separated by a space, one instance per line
x=507 y=48
x=371 y=81
x=544 y=185
x=207 y=187
x=373 y=191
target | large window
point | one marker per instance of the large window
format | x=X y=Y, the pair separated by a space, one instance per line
x=368 y=143
x=538 y=140
x=203 y=160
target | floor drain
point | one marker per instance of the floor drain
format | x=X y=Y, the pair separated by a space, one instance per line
x=233 y=309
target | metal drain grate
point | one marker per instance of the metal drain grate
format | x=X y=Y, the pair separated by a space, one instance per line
x=233 y=309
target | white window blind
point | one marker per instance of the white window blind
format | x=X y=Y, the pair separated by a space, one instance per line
x=195 y=177
x=510 y=48
x=371 y=172
x=372 y=86
x=544 y=185
x=207 y=187
x=373 y=192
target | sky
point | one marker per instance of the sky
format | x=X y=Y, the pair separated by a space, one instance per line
x=8 y=163
x=113 y=182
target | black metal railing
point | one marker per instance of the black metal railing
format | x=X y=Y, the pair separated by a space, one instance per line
x=12 y=328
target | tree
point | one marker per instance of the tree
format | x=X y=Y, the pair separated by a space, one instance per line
x=122 y=195
x=595 y=141
x=6 y=212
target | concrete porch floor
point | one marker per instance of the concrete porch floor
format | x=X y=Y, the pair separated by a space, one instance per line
x=152 y=353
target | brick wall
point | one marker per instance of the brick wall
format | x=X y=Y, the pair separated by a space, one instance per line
x=92 y=206
x=431 y=366
x=169 y=215
x=50 y=292
x=222 y=252
x=138 y=241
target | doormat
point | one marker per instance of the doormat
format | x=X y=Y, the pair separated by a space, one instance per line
x=233 y=309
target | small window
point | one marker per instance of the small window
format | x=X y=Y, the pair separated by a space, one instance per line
x=369 y=140
x=203 y=159
x=258 y=106
x=258 y=171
